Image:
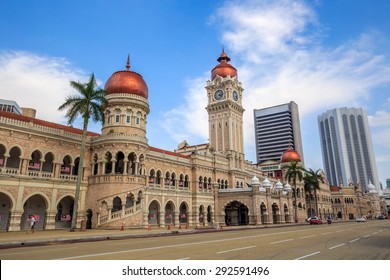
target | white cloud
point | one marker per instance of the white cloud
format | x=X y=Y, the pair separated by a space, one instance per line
x=191 y=116
x=34 y=81
x=381 y=118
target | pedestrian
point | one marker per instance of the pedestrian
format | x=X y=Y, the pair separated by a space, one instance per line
x=32 y=222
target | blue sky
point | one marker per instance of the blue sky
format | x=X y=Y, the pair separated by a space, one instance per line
x=320 y=54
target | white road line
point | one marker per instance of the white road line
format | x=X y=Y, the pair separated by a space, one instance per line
x=188 y=258
x=325 y=233
x=308 y=236
x=238 y=249
x=368 y=235
x=336 y=246
x=375 y=232
x=340 y=230
x=281 y=241
x=354 y=240
x=312 y=254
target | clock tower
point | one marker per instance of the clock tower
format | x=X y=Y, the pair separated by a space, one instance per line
x=225 y=111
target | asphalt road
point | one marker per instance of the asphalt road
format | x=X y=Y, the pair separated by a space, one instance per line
x=338 y=241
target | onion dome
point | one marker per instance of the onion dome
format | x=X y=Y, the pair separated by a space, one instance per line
x=266 y=183
x=126 y=81
x=279 y=185
x=223 y=69
x=287 y=187
x=255 y=181
x=290 y=155
x=371 y=188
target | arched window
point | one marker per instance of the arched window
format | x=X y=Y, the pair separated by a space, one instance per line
x=35 y=162
x=138 y=119
x=128 y=117
x=116 y=204
x=167 y=181
x=152 y=176
x=65 y=167
x=117 y=116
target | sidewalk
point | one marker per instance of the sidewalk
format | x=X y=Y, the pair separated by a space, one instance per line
x=43 y=237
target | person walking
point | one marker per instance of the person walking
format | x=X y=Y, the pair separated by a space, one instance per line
x=32 y=222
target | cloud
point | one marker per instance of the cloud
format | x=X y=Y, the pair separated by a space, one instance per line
x=191 y=116
x=34 y=81
x=381 y=118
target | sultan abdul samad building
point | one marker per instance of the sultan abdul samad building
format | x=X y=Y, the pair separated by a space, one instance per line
x=128 y=182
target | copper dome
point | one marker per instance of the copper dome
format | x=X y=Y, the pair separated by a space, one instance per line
x=223 y=69
x=290 y=155
x=127 y=81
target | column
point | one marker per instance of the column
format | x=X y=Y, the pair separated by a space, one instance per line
x=113 y=162
x=125 y=166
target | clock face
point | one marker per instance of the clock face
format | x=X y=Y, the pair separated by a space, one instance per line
x=235 y=95
x=218 y=94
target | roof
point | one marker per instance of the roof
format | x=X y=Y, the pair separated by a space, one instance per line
x=45 y=123
x=154 y=149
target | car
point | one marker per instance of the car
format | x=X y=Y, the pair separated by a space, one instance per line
x=313 y=217
x=361 y=219
x=315 y=221
x=381 y=217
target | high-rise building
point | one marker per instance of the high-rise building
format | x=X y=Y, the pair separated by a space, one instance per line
x=276 y=129
x=10 y=106
x=346 y=146
x=388 y=183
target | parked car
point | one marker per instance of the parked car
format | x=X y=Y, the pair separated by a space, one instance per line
x=313 y=217
x=315 y=221
x=381 y=217
x=361 y=219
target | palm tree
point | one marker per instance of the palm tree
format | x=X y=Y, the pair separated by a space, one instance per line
x=313 y=179
x=88 y=105
x=294 y=172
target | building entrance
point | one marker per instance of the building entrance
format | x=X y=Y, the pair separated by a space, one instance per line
x=236 y=213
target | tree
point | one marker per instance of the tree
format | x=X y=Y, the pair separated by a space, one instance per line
x=89 y=104
x=294 y=172
x=313 y=179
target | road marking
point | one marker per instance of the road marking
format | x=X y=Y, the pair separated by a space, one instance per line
x=312 y=254
x=188 y=258
x=368 y=235
x=336 y=246
x=354 y=240
x=238 y=249
x=183 y=244
x=326 y=233
x=375 y=232
x=308 y=236
x=281 y=241
x=340 y=230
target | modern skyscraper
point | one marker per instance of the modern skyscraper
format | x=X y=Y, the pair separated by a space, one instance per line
x=277 y=128
x=346 y=146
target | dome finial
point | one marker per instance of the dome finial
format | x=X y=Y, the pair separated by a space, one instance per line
x=128 y=62
x=223 y=57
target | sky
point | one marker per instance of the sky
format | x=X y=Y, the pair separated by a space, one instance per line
x=320 y=54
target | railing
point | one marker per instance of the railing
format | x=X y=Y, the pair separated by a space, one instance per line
x=116 y=178
x=10 y=171
x=68 y=177
x=120 y=214
x=41 y=174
